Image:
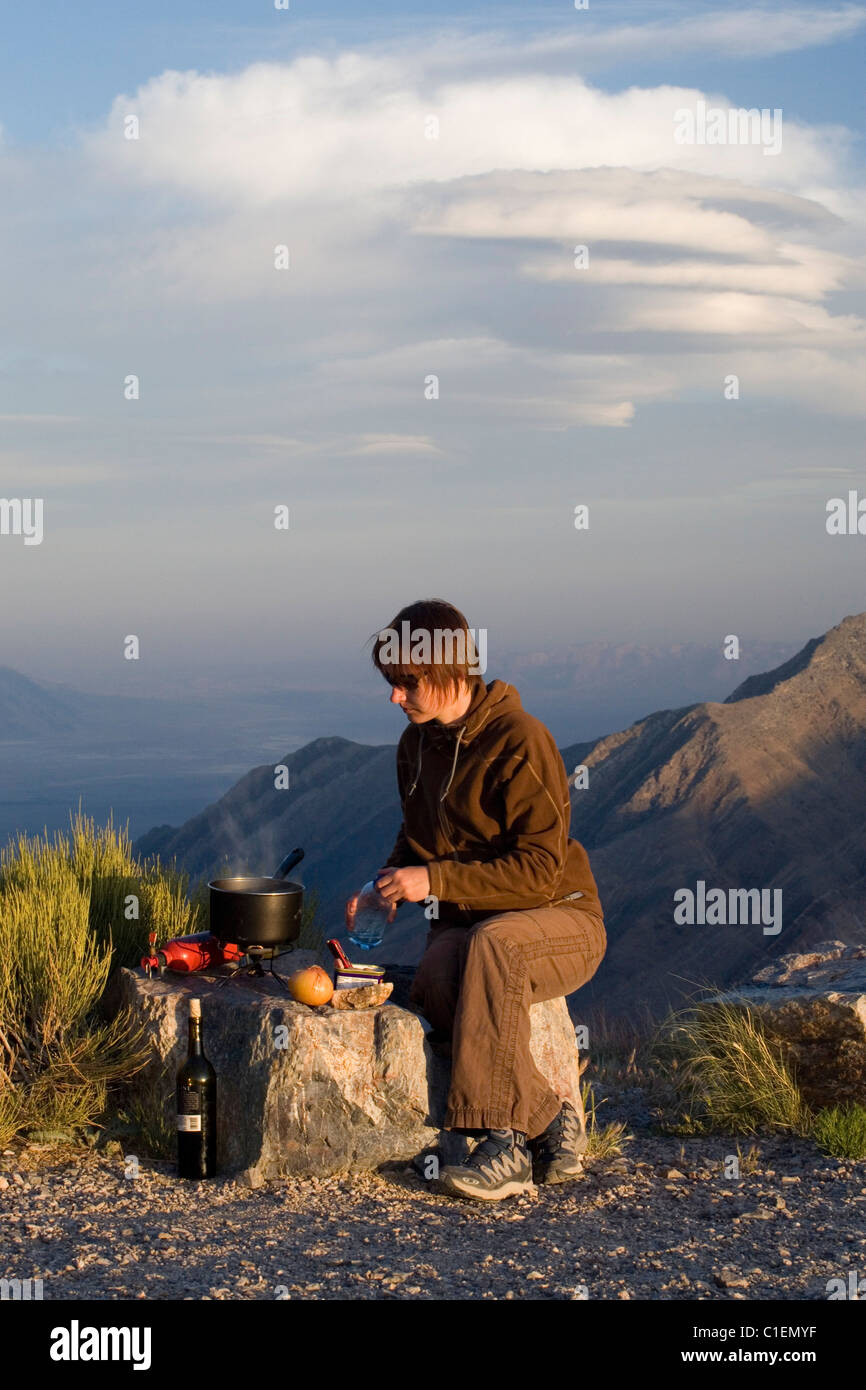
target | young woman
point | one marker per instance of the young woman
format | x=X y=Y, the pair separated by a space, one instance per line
x=516 y=913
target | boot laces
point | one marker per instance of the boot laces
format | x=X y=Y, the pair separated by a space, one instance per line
x=494 y=1151
x=562 y=1132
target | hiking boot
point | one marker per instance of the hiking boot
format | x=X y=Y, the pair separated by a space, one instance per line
x=557 y=1153
x=428 y=1163
x=499 y=1166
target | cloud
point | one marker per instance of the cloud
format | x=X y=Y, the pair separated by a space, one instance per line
x=25 y=476
x=662 y=208
x=590 y=44
x=491 y=379
x=805 y=270
x=828 y=383
x=743 y=315
x=329 y=130
x=592 y=41
x=412 y=256
x=707 y=257
x=40 y=419
x=398 y=444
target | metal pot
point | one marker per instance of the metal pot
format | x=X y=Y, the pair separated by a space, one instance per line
x=258 y=911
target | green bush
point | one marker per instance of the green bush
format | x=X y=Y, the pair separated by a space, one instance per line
x=126 y=900
x=72 y=908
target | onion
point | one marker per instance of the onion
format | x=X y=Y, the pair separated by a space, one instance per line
x=311 y=986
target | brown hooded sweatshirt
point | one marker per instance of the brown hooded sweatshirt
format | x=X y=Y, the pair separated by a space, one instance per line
x=486 y=809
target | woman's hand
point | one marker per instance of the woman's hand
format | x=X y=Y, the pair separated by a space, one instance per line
x=410 y=885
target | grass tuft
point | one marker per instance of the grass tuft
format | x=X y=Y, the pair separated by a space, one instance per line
x=731 y=1074
x=602 y=1141
x=841 y=1131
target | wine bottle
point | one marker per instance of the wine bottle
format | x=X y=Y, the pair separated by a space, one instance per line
x=196 y=1106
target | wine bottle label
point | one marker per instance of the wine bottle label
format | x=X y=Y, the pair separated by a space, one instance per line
x=189 y=1103
x=189 y=1123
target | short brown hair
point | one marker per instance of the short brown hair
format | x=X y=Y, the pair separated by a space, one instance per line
x=430 y=616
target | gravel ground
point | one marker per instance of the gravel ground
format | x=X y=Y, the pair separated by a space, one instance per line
x=662 y=1222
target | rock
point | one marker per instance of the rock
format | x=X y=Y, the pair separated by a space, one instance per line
x=315 y=1091
x=362 y=997
x=401 y=976
x=815 y=1004
x=789 y=969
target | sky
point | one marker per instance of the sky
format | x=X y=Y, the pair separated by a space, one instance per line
x=430 y=172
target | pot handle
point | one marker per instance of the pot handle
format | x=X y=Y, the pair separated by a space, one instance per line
x=288 y=863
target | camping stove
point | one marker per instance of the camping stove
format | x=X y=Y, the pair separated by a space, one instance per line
x=203 y=951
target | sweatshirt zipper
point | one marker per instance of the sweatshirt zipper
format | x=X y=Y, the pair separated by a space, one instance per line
x=445 y=826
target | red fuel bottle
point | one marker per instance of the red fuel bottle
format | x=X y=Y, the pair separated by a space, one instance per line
x=188 y=953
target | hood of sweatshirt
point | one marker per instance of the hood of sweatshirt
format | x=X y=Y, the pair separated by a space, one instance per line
x=489 y=702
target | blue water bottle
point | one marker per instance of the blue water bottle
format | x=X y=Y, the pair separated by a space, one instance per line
x=367 y=916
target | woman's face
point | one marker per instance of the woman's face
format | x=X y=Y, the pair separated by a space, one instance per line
x=418 y=702
x=421 y=702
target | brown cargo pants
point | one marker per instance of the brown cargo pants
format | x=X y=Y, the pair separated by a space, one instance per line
x=475 y=986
